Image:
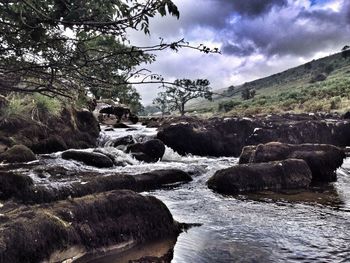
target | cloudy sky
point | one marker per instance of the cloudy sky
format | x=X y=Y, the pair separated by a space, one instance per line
x=257 y=38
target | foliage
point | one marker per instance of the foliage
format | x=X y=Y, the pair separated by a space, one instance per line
x=176 y=96
x=44 y=106
x=161 y=102
x=36 y=107
x=226 y=106
x=16 y=107
x=248 y=93
x=56 y=47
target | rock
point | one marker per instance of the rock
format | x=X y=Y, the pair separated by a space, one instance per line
x=14 y=185
x=207 y=138
x=18 y=154
x=286 y=174
x=159 y=178
x=149 y=151
x=347 y=115
x=71 y=129
x=322 y=159
x=34 y=233
x=52 y=144
x=109 y=129
x=126 y=140
x=133 y=118
x=120 y=126
x=117 y=111
x=228 y=136
x=22 y=188
x=90 y=158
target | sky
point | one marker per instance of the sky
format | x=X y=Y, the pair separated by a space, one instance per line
x=257 y=38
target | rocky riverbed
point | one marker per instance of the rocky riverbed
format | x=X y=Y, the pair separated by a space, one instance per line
x=88 y=200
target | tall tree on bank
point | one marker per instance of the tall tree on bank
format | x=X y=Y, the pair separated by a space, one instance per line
x=183 y=91
x=56 y=47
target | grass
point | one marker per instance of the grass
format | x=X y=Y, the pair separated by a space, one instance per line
x=295 y=90
x=36 y=107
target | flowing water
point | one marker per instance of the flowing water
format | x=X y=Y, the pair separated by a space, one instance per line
x=309 y=226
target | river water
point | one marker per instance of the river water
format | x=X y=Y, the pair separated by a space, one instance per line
x=308 y=226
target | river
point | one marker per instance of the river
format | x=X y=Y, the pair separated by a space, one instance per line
x=307 y=226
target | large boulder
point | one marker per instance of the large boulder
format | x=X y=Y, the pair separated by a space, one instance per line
x=54 y=143
x=322 y=159
x=18 y=154
x=118 y=111
x=90 y=158
x=227 y=136
x=287 y=174
x=149 y=151
x=44 y=232
x=217 y=137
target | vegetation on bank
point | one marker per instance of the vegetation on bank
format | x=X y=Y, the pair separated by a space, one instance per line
x=318 y=86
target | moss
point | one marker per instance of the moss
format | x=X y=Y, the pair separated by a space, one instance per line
x=18 y=154
x=33 y=233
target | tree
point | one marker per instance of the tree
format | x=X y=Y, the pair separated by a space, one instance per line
x=162 y=102
x=56 y=47
x=248 y=93
x=184 y=90
x=345 y=52
x=230 y=91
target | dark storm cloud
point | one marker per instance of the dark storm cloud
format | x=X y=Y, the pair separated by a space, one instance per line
x=255 y=7
x=292 y=32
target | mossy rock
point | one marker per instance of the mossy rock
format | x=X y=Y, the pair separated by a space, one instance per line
x=18 y=154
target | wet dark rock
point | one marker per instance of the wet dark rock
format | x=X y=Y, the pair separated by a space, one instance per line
x=167 y=258
x=23 y=189
x=227 y=137
x=126 y=140
x=52 y=144
x=133 y=118
x=90 y=158
x=72 y=129
x=109 y=129
x=149 y=151
x=34 y=233
x=322 y=159
x=212 y=138
x=275 y=176
x=347 y=115
x=120 y=125
x=118 y=111
x=18 y=154
x=14 y=185
x=159 y=178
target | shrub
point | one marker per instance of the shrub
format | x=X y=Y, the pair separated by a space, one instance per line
x=335 y=103
x=16 y=107
x=228 y=105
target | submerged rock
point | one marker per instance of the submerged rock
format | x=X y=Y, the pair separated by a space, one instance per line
x=90 y=158
x=120 y=126
x=126 y=140
x=159 y=178
x=149 y=151
x=287 y=174
x=18 y=154
x=322 y=159
x=34 y=233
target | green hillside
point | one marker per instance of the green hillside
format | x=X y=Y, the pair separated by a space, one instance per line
x=319 y=85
